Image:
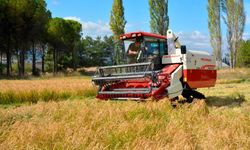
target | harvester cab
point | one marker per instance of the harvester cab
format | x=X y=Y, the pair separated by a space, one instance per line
x=157 y=67
x=146 y=47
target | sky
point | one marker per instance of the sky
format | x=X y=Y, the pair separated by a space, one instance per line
x=188 y=18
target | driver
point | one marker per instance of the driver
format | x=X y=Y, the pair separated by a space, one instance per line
x=133 y=51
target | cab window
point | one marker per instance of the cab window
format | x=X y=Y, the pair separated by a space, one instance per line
x=156 y=48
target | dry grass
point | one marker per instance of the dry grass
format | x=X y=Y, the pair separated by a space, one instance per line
x=123 y=125
x=220 y=122
x=238 y=75
x=56 y=84
x=32 y=91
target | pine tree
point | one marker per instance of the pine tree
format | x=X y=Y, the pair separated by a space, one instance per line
x=159 y=19
x=214 y=25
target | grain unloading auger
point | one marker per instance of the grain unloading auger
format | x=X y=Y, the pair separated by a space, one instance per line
x=163 y=68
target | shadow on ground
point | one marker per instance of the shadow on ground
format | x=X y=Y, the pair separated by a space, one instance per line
x=230 y=101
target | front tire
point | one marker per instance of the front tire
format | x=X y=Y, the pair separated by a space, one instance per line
x=191 y=94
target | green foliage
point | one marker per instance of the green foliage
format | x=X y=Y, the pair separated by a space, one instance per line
x=243 y=56
x=235 y=18
x=141 y=113
x=159 y=19
x=117 y=25
x=56 y=32
x=27 y=29
x=93 y=51
x=64 y=35
x=87 y=52
x=214 y=25
x=49 y=61
x=28 y=68
x=22 y=24
x=117 y=19
x=10 y=97
x=118 y=140
x=89 y=93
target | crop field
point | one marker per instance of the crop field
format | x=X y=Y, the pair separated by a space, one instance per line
x=55 y=89
x=62 y=113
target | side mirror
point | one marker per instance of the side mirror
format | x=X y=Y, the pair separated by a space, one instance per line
x=183 y=49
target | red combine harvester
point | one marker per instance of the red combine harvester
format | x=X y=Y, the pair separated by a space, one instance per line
x=163 y=68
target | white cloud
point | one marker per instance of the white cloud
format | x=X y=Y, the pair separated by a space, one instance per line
x=73 y=18
x=246 y=36
x=195 y=40
x=136 y=26
x=247 y=8
x=92 y=29
x=95 y=29
x=55 y=2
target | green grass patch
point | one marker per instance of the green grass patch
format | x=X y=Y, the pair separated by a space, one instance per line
x=88 y=93
x=117 y=140
x=234 y=99
x=231 y=81
x=10 y=97
x=139 y=113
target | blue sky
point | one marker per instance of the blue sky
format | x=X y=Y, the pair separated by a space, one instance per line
x=188 y=18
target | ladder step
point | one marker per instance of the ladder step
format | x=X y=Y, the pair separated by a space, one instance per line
x=131 y=89
x=128 y=98
x=127 y=65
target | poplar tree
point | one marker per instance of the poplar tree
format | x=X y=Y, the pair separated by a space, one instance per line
x=214 y=25
x=117 y=26
x=159 y=19
x=234 y=19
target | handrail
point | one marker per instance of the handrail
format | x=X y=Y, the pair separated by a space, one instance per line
x=127 y=65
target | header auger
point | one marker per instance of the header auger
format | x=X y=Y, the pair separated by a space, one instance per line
x=158 y=67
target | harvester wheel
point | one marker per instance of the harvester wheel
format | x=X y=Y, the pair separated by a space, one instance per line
x=174 y=101
x=190 y=95
x=198 y=95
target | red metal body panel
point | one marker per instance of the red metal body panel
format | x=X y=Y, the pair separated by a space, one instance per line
x=165 y=78
x=145 y=34
x=198 y=78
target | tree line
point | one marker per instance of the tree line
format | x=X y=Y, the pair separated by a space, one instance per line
x=159 y=22
x=22 y=27
x=232 y=12
x=27 y=30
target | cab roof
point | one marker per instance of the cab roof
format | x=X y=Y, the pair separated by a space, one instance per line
x=140 y=34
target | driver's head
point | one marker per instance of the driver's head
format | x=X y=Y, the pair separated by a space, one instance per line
x=137 y=42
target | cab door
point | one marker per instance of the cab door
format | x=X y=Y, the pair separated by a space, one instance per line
x=155 y=50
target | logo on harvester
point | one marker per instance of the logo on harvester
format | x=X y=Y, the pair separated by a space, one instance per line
x=171 y=56
x=208 y=67
x=206 y=59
